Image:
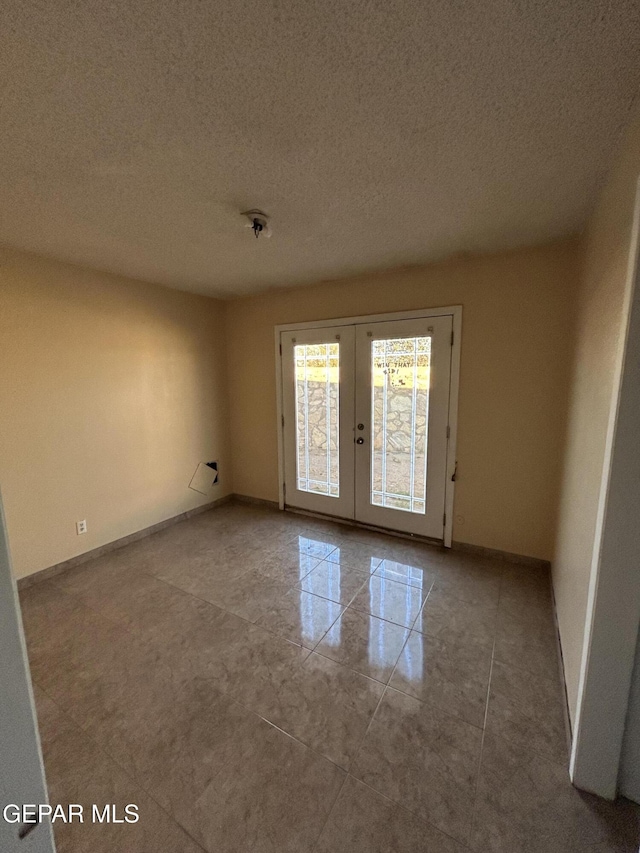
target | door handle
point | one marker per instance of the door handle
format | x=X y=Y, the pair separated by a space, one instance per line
x=359 y=440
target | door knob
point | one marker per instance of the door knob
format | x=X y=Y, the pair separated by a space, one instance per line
x=359 y=440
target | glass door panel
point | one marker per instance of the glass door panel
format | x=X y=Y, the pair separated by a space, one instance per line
x=400 y=422
x=317 y=368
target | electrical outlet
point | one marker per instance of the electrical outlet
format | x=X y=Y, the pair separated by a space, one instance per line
x=81 y=527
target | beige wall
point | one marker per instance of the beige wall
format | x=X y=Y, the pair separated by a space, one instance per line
x=513 y=387
x=111 y=392
x=598 y=337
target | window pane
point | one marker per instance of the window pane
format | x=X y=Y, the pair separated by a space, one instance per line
x=400 y=418
x=317 y=418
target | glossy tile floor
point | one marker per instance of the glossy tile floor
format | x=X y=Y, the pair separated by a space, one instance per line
x=259 y=681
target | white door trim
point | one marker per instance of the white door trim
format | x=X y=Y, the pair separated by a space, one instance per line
x=22 y=776
x=456 y=312
x=452 y=456
x=614 y=588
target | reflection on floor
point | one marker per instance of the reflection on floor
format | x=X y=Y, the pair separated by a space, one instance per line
x=259 y=681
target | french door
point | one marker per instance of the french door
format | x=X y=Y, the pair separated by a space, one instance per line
x=318 y=408
x=366 y=421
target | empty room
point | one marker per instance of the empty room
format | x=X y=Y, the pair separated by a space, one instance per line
x=319 y=406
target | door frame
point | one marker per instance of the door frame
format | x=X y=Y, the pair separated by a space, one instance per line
x=607 y=665
x=455 y=312
x=22 y=773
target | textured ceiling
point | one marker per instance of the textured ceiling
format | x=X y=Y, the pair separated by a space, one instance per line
x=375 y=133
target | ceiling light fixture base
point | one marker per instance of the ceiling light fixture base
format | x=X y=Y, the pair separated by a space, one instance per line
x=258 y=222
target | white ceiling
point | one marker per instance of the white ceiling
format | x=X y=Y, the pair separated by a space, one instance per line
x=375 y=133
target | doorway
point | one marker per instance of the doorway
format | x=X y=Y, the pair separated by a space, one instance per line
x=368 y=415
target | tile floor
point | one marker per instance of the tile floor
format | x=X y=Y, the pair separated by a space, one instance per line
x=259 y=681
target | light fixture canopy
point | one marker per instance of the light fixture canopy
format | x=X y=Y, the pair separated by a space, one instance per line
x=258 y=222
